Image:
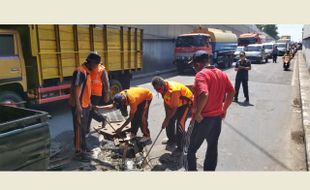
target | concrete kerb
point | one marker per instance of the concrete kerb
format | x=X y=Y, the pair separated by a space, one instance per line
x=139 y=76
x=304 y=86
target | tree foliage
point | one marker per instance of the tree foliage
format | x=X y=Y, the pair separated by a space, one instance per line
x=270 y=29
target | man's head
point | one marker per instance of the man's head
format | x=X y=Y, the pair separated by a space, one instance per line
x=92 y=60
x=159 y=84
x=199 y=60
x=242 y=55
x=119 y=102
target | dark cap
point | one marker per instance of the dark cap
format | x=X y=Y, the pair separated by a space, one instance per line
x=119 y=104
x=117 y=99
x=199 y=56
x=93 y=57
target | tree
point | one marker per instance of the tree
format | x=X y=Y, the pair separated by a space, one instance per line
x=270 y=29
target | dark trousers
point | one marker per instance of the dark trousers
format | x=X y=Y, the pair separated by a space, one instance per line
x=80 y=129
x=244 y=87
x=274 y=58
x=209 y=128
x=176 y=128
x=140 y=119
x=94 y=101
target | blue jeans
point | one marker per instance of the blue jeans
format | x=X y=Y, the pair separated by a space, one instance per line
x=209 y=128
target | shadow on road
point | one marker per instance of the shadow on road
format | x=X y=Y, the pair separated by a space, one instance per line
x=169 y=161
x=257 y=146
x=244 y=104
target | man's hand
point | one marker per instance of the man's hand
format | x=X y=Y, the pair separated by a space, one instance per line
x=192 y=122
x=224 y=114
x=93 y=107
x=119 y=130
x=165 y=124
x=198 y=117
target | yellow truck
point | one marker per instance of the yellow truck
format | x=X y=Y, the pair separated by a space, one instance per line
x=37 y=61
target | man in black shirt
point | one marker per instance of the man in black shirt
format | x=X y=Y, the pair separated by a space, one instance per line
x=242 y=67
x=274 y=54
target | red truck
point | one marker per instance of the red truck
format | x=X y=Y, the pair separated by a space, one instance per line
x=250 y=38
x=219 y=44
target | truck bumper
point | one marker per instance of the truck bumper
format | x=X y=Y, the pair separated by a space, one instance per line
x=182 y=66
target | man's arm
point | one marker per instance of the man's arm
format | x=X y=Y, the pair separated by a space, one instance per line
x=79 y=78
x=230 y=91
x=201 y=102
x=128 y=120
x=175 y=96
x=201 y=86
x=237 y=66
x=106 y=86
x=248 y=67
x=106 y=107
x=228 y=100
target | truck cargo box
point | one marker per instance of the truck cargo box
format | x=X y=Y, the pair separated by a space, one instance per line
x=24 y=139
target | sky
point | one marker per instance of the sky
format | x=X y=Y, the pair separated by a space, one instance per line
x=294 y=30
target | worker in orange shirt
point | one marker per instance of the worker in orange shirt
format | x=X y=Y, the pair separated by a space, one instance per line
x=80 y=103
x=139 y=100
x=100 y=90
x=177 y=101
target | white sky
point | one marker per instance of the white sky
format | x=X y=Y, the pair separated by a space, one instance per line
x=294 y=30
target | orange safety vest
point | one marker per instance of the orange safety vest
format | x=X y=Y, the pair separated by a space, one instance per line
x=85 y=89
x=186 y=95
x=96 y=80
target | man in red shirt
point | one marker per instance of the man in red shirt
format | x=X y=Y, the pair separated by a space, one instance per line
x=213 y=93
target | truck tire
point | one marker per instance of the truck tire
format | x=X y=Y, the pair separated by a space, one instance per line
x=115 y=87
x=125 y=80
x=226 y=62
x=11 y=98
x=231 y=60
x=180 y=69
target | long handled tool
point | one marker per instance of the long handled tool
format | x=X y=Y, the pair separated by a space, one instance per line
x=150 y=148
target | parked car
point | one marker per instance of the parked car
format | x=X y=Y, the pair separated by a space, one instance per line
x=237 y=52
x=268 y=49
x=256 y=53
x=282 y=48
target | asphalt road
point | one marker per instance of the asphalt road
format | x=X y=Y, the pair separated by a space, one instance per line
x=264 y=136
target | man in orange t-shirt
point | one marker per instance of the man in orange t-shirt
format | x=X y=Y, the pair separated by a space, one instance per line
x=139 y=100
x=177 y=102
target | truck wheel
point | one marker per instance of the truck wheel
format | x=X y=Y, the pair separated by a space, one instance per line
x=229 y=61
x=180 y=70
x=115 y=87
x=226 y=62
x=10 y=98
